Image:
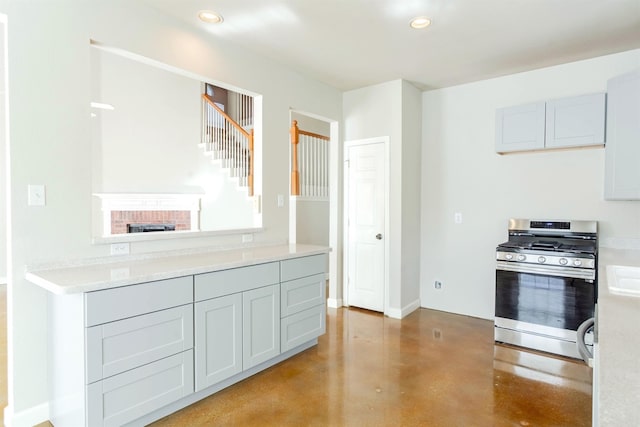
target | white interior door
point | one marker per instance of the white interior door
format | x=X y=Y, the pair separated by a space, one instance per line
x=366 y=226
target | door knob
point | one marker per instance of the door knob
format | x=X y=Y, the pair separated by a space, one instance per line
x=379 y=236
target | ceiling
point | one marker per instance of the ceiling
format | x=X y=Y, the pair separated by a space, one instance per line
x=350 y=44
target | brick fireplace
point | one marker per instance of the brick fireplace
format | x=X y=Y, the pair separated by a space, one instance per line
x=181 y=220
x=121 y=212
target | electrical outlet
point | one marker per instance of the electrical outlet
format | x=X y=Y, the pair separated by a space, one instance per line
x=119 y=249
x=36 y=195
x=120 y=273
x=457 y=217
x=437 y=284
x=247 y=238
x=437 y=334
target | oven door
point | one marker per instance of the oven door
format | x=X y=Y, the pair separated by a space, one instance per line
x=543 y=300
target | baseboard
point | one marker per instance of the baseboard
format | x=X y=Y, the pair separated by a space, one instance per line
x=334 y=303
x=404 y=311
x=27 y=418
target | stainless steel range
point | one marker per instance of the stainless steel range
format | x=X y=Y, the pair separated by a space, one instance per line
x=546 y=283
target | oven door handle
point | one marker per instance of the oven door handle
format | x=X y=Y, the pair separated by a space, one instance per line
x=578 y=273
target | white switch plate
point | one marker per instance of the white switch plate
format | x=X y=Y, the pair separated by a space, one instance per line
x=457 y=217
x=257 y=208
x=36 y=195
x=247 y=238
x=119 y=249
x=280 y=201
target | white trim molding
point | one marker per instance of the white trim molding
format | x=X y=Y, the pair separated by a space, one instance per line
x=28 y=417
x=395 y=313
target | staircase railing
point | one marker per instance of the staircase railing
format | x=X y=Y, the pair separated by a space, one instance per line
x=225 y=139
x=309 y=163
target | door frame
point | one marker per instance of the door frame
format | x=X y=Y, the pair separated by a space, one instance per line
x=345 y=216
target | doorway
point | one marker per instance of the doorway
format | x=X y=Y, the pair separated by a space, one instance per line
x=366 y=226
x=316 y=220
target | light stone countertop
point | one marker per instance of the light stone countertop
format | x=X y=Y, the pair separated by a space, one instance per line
x=104 y=275
x=619 y=346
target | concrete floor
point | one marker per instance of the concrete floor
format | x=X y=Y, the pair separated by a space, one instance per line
x=430 y=369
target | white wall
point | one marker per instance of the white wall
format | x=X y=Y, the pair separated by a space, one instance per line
x=49 y=64
x=3 y=159
x=411 y=181
x=462 y=173
x=156 y=123
x=376 y=111
x=312 y=222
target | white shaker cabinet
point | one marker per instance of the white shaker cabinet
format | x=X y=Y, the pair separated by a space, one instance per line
x=123 y=398
x=520 y=128
x=260 y=325
x=219 y=337
x=120 y=353
x=577 y=121
x=132 y=353
x=303 y=301
x=235 y=313
x=622 y=152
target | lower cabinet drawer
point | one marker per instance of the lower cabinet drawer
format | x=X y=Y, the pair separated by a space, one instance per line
x=127 y=301
x=123 y=398
x=119 y=346
x=301 y=294
x=302 y=327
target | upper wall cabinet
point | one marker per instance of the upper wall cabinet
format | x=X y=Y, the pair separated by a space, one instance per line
x=520 y=128
x=575 y=122
x=568 y=122
x=622 y=153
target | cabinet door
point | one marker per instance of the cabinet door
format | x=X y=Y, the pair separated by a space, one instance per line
x=520 y=128
x=261 y=325
x=116 y=347
x=123 y=398
x=218 y=339
x=622 y=152
x=576 y=121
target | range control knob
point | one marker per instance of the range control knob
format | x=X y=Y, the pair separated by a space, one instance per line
x=542 y=259
x=577 y=262
x=563 y=261
x=522 y=257
x=508 y=256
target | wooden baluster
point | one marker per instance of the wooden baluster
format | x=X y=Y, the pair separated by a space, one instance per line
x=295 y=175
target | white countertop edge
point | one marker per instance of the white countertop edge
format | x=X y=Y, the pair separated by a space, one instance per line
x=39 y=277
x=112 y=259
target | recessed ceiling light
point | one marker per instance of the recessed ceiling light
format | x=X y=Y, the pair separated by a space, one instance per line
x=210 y=17
x=420 y=22
x=102 y=106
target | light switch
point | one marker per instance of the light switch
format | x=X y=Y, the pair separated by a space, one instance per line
x=457 y=217
x=36 y=195
x=280 y=200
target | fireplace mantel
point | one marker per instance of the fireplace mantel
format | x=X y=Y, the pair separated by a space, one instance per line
x=111 y=202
